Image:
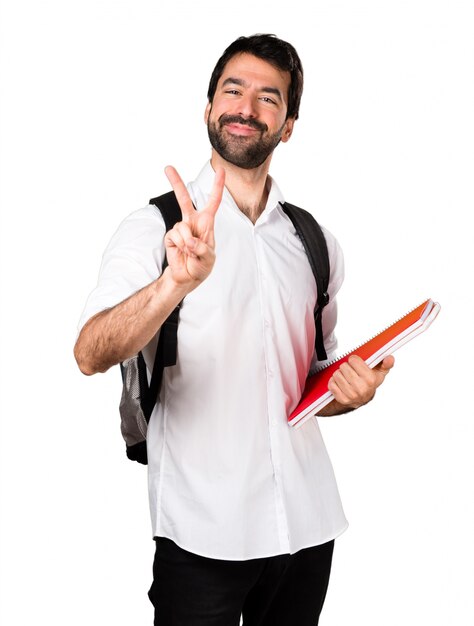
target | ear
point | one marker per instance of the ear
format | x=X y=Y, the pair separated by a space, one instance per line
x=207 y=111
x=287 y=129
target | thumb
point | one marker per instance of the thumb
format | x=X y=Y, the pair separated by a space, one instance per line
x=386 y=365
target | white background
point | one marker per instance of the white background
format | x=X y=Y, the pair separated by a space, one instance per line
x=96 y=98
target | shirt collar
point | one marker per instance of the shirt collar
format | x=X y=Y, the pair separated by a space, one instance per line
x=205 y=180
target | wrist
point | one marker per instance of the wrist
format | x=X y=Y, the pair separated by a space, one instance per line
x=335 y=408
x=169 y=288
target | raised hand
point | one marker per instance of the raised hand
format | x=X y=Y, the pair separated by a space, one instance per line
x=190 y=244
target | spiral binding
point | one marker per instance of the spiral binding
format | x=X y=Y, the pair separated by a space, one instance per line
x=339 y=358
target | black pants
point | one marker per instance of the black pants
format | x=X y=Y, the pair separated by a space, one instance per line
x=286 y=590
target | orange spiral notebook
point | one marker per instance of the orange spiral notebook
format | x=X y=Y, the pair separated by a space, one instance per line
x=316 y=394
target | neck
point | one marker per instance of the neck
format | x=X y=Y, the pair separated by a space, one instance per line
x=248 y=188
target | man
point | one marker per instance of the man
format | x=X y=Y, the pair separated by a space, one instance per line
x=244 y=509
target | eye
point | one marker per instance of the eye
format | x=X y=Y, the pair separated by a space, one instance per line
x=267 y=99
x=232 y=92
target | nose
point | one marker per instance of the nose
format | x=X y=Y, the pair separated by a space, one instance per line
x=247 y=106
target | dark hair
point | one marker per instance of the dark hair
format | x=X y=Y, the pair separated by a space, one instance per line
x=275 y=51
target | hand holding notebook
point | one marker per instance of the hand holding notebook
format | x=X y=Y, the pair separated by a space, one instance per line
x=317 y=395
x=354 y=383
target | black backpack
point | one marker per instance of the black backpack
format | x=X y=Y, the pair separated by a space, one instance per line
x=139 y=396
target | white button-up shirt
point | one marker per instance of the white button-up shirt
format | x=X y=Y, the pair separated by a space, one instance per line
x=228 y=478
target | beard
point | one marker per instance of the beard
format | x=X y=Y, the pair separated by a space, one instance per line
x=244 y=151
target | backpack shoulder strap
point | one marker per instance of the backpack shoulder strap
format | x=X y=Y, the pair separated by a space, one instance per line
x=170 y=210
x=314 y=242
x=166 y=350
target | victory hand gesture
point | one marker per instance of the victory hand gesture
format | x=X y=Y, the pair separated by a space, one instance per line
x=190 y=244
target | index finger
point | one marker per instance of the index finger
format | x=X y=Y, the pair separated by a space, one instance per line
x=181 y=193
x=357 y=363
x=215 y=197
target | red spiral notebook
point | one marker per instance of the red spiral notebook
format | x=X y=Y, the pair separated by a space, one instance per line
x=316 y=394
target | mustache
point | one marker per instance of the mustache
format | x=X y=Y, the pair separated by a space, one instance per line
x=238 y=119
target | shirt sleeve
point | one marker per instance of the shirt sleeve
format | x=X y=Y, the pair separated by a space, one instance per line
x=329 y=315
x=132 y=260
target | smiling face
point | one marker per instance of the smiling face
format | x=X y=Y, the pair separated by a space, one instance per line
x=247 y=117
